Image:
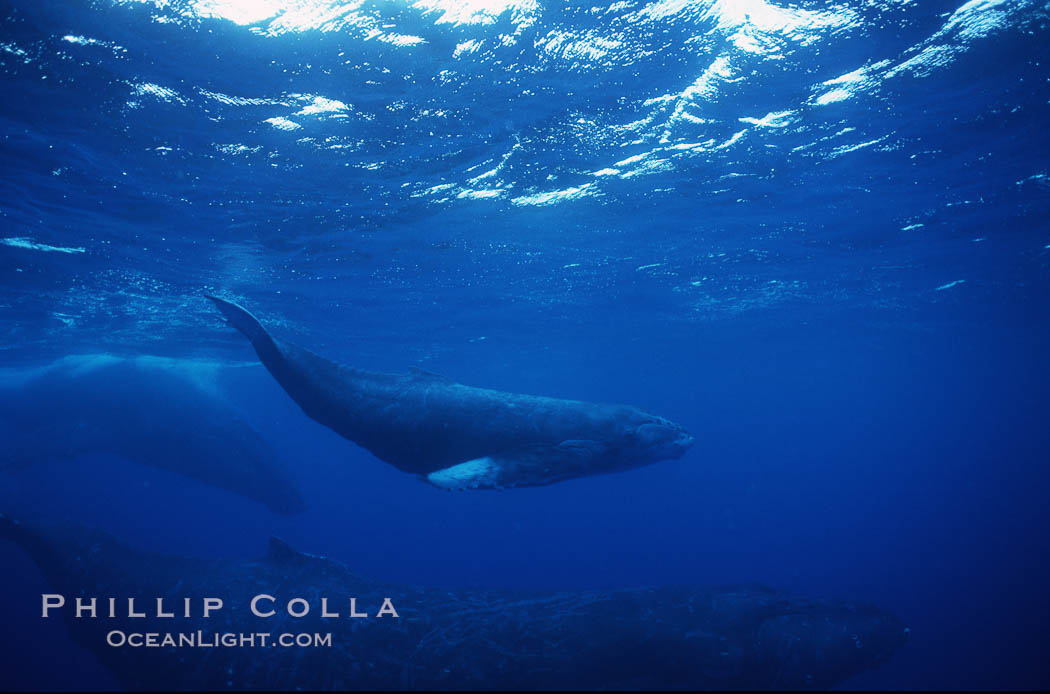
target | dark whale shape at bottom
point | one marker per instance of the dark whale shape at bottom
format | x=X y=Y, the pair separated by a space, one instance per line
x=670 y=638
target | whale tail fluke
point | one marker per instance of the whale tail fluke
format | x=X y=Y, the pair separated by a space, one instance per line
x=240 y=319
x=247 y=324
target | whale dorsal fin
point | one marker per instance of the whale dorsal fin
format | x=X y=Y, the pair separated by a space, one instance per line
x=282 y=554
x=430 y=375
x=280 y=551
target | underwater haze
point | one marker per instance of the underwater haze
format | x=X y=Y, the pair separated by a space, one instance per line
x=815 y=234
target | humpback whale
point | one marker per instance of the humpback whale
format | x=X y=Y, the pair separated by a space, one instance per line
x=156 y=411
x=456 y=436
x=644 y=638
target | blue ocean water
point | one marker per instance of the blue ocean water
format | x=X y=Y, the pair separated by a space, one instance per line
x=813 y=233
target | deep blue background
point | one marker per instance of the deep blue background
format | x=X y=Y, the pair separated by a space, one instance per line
x=864 y=430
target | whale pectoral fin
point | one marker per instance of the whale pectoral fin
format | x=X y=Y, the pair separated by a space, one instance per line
x=480 y=473
x=529 y=467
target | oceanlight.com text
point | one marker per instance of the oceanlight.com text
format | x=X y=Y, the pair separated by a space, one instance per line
x=202 y=639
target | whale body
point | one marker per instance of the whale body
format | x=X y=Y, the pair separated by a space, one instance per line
x=156 y=411
x=644 y=638
x=460 y=437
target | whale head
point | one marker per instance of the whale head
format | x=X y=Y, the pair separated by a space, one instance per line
x=826 y=644
x=653 y=438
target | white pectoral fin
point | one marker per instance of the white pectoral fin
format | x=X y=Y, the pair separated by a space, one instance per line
x=527 y=467
x=480 y=473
